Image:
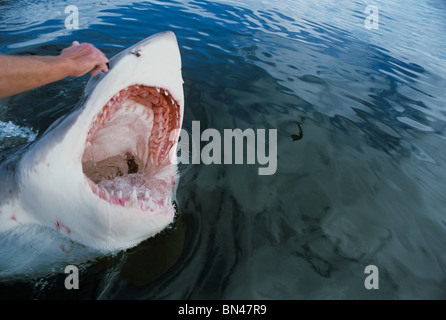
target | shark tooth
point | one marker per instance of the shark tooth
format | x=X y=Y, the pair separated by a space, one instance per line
x=107 y=195
x=134 y=196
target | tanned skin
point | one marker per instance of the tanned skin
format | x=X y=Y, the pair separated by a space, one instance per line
x=23 y=73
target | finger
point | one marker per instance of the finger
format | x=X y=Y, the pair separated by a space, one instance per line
x=99 y=68
x=103 y=65
x=75 y=43
x=103 y=69
x=95 y=71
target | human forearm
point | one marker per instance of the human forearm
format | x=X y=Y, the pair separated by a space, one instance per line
x=22 y=73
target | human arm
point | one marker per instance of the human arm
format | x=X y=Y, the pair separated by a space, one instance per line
x=22 y=73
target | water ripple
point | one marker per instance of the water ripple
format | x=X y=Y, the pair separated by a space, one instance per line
x=361 y=142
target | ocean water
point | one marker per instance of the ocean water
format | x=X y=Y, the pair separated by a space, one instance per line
x=360 y=115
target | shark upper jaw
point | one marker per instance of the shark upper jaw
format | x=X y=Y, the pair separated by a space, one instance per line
x=104 y=175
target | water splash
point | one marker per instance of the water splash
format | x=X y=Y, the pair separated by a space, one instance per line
x=12 y=135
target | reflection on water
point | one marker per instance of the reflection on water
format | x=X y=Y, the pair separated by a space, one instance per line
x=361 y=148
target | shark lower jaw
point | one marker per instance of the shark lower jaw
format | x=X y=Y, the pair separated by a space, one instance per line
x=126 y=156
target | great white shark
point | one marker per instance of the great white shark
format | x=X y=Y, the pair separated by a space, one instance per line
x=104 y=176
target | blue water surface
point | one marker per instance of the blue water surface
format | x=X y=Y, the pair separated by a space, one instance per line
x=361 y=149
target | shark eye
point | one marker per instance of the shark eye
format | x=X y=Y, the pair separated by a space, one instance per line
x=136 y=53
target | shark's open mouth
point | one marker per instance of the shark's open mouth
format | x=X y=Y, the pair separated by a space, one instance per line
x=126 y=156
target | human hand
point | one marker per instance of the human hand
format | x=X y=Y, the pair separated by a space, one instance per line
x=83 y=58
